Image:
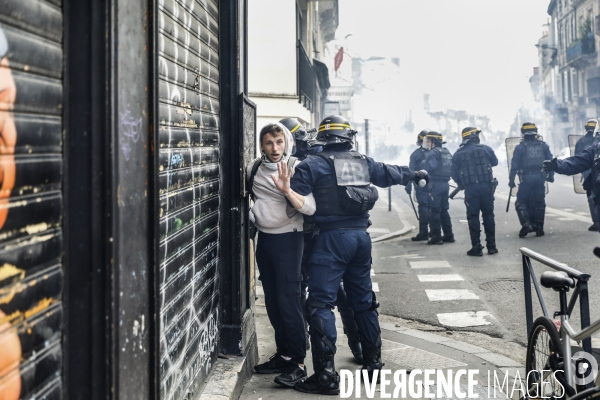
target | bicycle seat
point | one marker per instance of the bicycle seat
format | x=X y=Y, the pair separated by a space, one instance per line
x=556 y=280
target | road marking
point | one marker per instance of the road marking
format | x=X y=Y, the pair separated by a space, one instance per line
x=561 y=213
x=378 y=230
x=566 y=219
x=428 y=264
x=372 y=272
x=465 y=319
x=375 y=286
x=581 y=213
x=568 y=209
x=450 y=294
x=440 y=278
x=403 y=256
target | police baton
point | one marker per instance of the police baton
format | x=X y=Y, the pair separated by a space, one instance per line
x=413 y=205
x=509 y=194
x=454 y=192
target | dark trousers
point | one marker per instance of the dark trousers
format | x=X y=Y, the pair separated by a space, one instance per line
x=531 y=200
x=479 y=198
x=344 y=254
x=423 y=202
x=439 y=219
x=279 y=257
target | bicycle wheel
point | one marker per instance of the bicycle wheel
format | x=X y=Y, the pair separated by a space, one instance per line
x=543 y=343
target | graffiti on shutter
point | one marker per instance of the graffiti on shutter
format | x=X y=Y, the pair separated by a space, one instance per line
x=188 y=173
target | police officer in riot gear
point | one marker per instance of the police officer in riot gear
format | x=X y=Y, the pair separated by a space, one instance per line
x=416 y=159
x=531 y=198
x=472 y=170
x=588 y=140
x=438 y=163
x=340 y=180
x=588 y=158
x=305 y=146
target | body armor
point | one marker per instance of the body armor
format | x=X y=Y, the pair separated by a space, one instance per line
x=444 y=168
x=593 y=181
x=534 y=156
x=348 y=191
x=416 y=158
x=473 y=166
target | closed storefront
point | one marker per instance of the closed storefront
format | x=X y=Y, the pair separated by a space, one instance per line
x=189 y=182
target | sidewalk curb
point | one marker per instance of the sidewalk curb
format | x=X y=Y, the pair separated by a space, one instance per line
x=485 y=355
x=393 y=235
x=229 y=376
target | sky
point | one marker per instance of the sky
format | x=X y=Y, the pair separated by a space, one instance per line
x=474 y=55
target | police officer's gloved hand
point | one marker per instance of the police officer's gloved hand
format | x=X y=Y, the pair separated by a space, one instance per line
x=550 y=178
x=550 y=165
x=511 y=184
x=408 y=188
x=421 y=175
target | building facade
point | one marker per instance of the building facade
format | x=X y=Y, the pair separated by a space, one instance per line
x=287 y=72
x=567 y=81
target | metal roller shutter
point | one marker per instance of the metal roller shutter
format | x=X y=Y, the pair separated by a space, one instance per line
x=189 y=176
x=31 y=164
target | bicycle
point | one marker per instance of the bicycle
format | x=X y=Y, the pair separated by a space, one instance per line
x=547 y=351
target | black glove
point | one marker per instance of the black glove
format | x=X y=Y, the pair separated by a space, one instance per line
x=511 y=184
x=421 y=175
x=550 y=165
x=550 y=178
x=408 y=188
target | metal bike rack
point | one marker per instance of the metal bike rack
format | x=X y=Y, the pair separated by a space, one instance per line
x=580 y=291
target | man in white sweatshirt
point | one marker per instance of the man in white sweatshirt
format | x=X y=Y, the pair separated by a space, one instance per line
x=279 y=254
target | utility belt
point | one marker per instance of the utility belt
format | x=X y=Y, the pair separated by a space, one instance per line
x=341 y=225
x=530 y=174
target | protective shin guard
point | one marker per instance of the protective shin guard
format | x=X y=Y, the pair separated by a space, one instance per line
x=372 y=360
x=325 y=380
x=350 y=328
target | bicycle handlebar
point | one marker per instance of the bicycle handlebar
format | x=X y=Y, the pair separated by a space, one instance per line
x=573 y=273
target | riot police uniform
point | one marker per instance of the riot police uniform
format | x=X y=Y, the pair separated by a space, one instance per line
x=438 y=163
x=416 y=159
x=531 y=198
x=588 y=140
x=472 y=170
x=305 y=147
x=340 y=180
x=587 y=159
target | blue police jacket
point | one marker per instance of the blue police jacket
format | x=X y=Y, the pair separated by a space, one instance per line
x=519 y=154
x=433 y=159
x=578 y=163
x=416 y=160
x=314 y=170
x=588 y=140
x=470 y=146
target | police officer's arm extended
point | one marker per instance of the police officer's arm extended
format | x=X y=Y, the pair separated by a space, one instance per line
x=575 y=164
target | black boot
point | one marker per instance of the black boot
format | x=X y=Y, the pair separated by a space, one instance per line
x=420 y=237
x=526 y=228
x=476 y=250
x=435 y=239
x=539 y=231
x=594 y=228
x=325 y=380
x=448 y=238
x=492 y=249
x=372 y=360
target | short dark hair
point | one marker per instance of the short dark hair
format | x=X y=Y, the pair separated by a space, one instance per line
x=271 y=129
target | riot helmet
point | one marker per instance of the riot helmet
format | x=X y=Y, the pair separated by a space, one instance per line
x=300 y=134
x=335 y=129
x=529 y=129
x=590 y=125
x=420 y=137
x=470 y=133
x=435 y=137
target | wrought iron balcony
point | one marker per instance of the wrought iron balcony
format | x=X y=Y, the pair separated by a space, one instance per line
x=580 y=48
